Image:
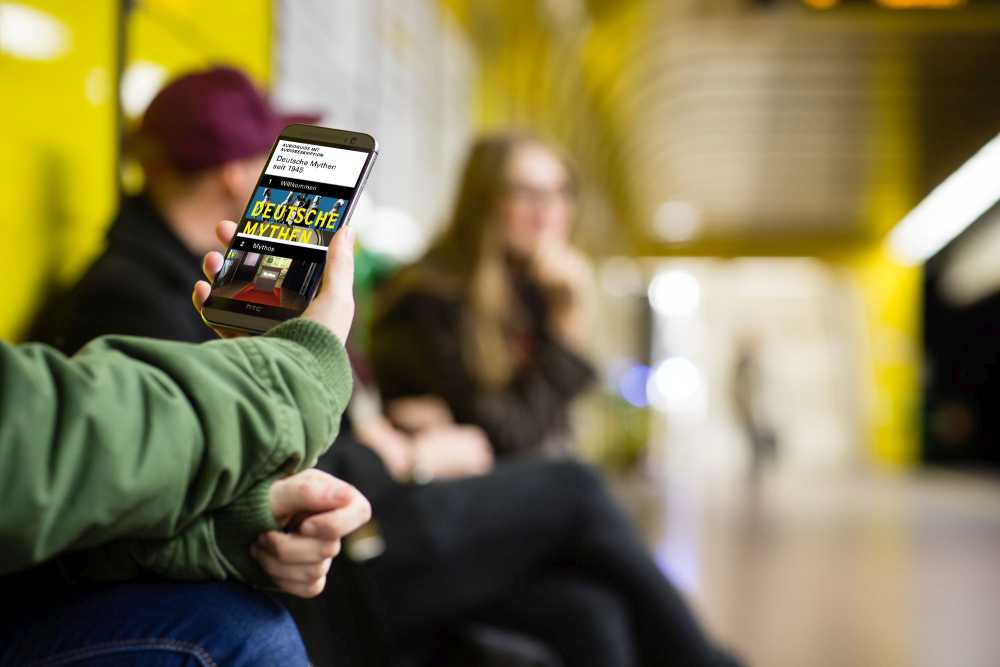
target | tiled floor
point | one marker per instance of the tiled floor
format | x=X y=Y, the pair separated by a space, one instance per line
x=816 y=571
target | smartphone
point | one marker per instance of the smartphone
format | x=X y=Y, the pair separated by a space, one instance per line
x=306 y=194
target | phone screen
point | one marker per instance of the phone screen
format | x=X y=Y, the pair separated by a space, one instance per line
x=274 y=265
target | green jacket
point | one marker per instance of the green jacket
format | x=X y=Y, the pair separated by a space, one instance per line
x=138 y=454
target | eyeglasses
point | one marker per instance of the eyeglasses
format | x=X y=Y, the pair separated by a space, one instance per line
x=530 y=195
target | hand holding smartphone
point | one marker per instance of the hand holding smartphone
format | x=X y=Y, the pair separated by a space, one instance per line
x=304 y=197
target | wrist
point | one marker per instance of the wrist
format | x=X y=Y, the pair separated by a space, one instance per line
x=238 y=524
x=325 y=359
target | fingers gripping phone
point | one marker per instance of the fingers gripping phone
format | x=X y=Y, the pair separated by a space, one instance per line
x=306 y=194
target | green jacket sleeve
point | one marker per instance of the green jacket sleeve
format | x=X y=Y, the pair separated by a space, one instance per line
x=137 y=439
x=215 y=546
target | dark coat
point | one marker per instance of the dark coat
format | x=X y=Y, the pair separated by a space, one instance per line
x=140 y=286
x=417 y=350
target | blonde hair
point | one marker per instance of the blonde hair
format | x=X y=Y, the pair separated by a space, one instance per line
x=468 y=261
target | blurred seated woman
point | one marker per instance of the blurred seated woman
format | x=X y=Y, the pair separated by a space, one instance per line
x=491 y=322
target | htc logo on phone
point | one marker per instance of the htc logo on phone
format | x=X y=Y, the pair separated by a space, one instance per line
x=254 y=308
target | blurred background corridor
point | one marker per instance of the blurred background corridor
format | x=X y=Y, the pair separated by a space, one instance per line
x=791 y=207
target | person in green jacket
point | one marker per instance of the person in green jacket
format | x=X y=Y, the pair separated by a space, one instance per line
x=137 y=462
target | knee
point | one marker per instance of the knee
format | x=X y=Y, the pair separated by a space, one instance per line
x=597 y=510
x=598 y=611
x=249 y=628
x=587 y=487
x=599 y=615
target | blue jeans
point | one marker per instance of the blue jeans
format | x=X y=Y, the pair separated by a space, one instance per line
x=156 y=624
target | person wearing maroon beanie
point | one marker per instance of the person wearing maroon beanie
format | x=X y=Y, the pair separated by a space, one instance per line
x=202 y=143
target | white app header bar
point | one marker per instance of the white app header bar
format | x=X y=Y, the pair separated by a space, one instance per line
x=322 y=164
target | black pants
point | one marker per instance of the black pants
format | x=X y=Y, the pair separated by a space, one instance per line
x=538 y=547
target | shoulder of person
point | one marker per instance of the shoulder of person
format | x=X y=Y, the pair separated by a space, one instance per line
x=120 y=296
x=117 y=273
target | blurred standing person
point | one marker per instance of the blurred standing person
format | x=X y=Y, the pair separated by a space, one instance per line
x=747 y=395
x=492 y=320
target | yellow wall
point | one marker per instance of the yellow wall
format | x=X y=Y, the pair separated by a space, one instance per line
x=58 y=144
x=59 y=183
x=890 y=354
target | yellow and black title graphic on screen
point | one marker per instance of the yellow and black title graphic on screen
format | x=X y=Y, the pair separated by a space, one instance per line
x=286 y=215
